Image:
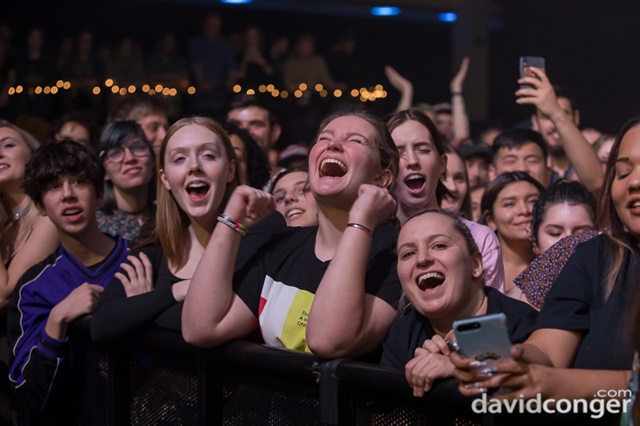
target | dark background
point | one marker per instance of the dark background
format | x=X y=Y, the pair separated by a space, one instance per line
x=591 y=47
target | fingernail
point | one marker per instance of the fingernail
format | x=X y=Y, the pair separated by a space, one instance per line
x=487 y=372
x=477 y=364
x=474 y=385
x=518 y=351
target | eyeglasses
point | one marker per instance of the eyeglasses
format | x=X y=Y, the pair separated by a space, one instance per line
x=116 y=155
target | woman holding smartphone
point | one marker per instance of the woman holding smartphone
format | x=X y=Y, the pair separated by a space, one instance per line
x=440 y=269
x=330 y=289
x=580 y=345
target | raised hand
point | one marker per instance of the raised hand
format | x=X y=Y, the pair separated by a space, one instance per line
x=458 y=80
x=373 y=206
x=540 y=94
x=396 y=80
x=249 y=205
x=139 y=275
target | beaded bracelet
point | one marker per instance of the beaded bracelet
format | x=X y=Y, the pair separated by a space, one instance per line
x=364 y=228
x=237 y=226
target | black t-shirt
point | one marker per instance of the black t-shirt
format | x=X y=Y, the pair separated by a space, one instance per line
x=117 y=315
x=279 y=284
x=411 y=330
x=577 y=302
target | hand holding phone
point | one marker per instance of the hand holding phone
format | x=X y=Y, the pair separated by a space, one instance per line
x=526 y=62
x=483 y=339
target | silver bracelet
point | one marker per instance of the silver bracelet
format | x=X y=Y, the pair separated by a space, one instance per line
x=364 y=228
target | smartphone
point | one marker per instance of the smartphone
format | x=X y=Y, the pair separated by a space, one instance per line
x=529 y=61
x=483 y=338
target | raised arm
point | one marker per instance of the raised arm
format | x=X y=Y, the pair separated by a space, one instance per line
x=578 y=150
x=458 y=108
x=212 y=312
x=403 y=85
x=344 y=320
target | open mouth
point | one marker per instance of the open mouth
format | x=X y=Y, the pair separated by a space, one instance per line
x=294 y=212
x=414 y=181
x=332 y=168
x=72 y=212
x=430 y=280
x=197 y=189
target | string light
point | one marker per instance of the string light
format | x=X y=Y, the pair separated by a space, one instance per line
x=363 y=94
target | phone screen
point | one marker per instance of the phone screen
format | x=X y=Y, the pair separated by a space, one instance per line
x=526 y=62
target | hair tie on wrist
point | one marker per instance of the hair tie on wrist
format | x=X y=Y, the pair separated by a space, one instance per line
x=456 y=93
x=236 y=226
x=364 y=228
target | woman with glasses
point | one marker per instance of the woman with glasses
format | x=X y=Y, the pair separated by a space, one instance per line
x=129 y=186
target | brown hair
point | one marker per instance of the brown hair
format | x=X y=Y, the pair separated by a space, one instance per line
x=387 y=150
x=608 y=220
x=414 y=114
x=458 y=226
x=171 y=222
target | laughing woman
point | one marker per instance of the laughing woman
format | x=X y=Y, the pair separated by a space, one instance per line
x=329 y=289
x=440 y=268
x=195 y=178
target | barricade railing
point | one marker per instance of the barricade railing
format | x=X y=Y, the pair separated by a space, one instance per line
x=158 y=379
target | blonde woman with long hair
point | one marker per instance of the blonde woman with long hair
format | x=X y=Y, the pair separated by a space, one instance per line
x=26 y=236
